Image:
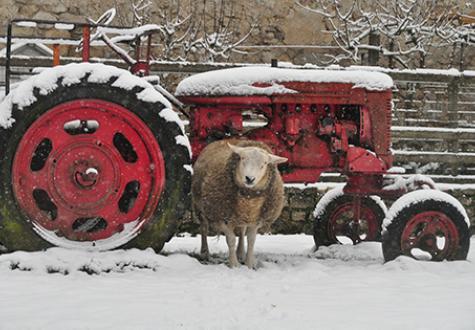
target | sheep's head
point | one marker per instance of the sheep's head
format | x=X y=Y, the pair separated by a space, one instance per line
x=252 y=169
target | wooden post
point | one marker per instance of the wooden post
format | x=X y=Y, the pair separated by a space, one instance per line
x=462 y=51
x=373 y=54
x=452 y=100
x=137 y=49
x=149 y=47
x=391 y=60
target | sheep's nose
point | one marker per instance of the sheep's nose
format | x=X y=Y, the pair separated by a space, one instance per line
x=250 y=179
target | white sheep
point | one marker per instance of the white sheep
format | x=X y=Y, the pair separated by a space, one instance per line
x=237 y=188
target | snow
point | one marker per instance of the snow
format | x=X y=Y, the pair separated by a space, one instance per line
x=25 y=24
x=171 y=116
x=432 y=129
x=136 y=31
x=447 y=153
x=46 y=82
x=338 y=287
x=240 y=81
x=72 y=74
x=420 y=71
x=397 y=170
x=325 y=186
x=419 y=196
x=19 y=45
x=64 y=26
x=335 y=193
x=130 y=231
x=327 y=199
x=412 y=182
x=182 y=140
x=189 y=168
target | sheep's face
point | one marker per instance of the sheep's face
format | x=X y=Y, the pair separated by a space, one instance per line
x=252 y=169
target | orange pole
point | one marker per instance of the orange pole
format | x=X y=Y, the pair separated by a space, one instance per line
x=86 y=36
x=56 y=55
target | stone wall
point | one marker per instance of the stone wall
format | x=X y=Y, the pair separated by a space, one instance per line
x=300 y=203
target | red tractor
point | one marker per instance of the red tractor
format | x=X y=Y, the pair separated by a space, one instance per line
x=94 y=156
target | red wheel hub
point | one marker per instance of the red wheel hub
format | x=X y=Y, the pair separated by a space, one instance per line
x=343 y=223
x=87 y=168
x=433 y=232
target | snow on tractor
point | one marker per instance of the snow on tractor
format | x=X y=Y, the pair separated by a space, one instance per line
x=94 y=156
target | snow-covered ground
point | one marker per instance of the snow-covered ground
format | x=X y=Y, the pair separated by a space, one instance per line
x=340 y=287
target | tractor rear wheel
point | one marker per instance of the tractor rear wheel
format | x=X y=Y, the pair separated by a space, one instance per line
x=334 y=219
x=426 y=225
x=94 y=166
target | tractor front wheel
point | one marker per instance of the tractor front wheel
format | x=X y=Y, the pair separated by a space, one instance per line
x=336 y=220
x=426 y=225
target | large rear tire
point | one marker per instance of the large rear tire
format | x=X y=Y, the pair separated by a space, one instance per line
x=92 y=165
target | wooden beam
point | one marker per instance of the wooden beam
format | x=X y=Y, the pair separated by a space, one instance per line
x=433 y=134
x=461 y=159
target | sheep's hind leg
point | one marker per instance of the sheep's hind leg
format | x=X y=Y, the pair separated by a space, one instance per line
x=240 y=248
x=204 y=238
x=231 y=241
x=251 y=239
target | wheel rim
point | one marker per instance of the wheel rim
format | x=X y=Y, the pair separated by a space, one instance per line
x=344 y=229
x=430 y=232
x=86 y=171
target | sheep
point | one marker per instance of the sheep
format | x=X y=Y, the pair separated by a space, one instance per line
x=236 y=188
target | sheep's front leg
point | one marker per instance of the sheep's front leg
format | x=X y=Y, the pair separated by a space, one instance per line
x=231 y=241
x=251 y=239
x=240 y=248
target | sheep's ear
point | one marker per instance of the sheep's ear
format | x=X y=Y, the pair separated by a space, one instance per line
x=277 y=159
x=235 y=149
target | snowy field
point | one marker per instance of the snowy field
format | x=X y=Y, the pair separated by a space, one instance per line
x=340 y=287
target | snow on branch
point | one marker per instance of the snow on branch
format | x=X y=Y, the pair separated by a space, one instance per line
x=214 y=32
x=189 y=30
x=400 y=30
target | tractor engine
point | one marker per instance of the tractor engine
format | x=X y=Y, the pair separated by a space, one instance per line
x=318 y=126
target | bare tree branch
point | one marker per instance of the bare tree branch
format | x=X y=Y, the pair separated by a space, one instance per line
x=406 y=28
x=185 y=33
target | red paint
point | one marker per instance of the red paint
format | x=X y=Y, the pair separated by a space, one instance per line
x=140 y=68
x=325 y=127
x=355 y=221
x=85 y=175
x=86 y=38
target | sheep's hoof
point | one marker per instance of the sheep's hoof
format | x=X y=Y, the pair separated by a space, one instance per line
x=241 y=257
x=233 y=263
x=251 y=264
x=204 y=255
